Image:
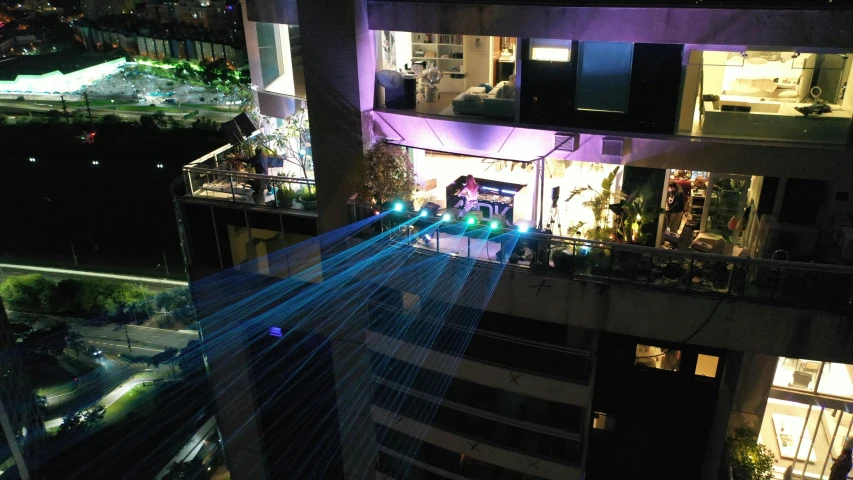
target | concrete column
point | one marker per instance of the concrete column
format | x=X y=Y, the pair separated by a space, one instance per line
x=236 y=409
x=354 y=395
x=338 y=56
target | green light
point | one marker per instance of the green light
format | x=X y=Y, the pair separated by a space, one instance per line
x=446 y=217
x=398 y=207
x=494 y=224
x=470 y=220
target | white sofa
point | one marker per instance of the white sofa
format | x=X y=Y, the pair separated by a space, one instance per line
x=499 y=102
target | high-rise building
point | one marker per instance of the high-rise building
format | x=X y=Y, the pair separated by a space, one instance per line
x=94 y=9
x=619 y=341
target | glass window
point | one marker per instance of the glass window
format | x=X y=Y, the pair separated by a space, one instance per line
x=706 y=365
x=604 y=76
x=765 y=94
x=550 y=50
x=657 y=357
x=280 y=53
x=603 y=421
x=796 y=374
x=836 y=379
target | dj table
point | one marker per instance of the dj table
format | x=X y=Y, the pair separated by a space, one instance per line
x=494 y=197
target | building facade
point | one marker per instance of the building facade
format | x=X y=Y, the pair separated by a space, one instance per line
x=636 y=362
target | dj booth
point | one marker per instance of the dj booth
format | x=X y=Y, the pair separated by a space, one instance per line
x=495 y=198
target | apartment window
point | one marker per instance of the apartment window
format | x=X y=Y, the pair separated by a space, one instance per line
x=604 y=76
x=706 y=365
x=657 y=358
x=603 y=421
x=550 y=50
x=280 y=52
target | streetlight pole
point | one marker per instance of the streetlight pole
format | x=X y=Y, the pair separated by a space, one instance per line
x=128 y=340
x=165 y=262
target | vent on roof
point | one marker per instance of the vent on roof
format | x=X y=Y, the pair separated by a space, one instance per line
x=566 y=142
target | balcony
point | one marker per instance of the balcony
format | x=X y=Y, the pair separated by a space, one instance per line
x=804 y=285
x=217 y=177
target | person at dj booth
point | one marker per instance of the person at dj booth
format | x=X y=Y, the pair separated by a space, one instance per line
x=469 y=192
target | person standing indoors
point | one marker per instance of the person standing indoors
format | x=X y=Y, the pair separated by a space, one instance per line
x=841 y=466
x=470 y=192
x=674 y=207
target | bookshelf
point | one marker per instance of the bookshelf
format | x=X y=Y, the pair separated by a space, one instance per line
x=447 y=52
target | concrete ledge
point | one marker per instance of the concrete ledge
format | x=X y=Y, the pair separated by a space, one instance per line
x=794 y=28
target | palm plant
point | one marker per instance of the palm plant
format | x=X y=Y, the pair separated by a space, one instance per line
x=600 y=200
x=641 y=207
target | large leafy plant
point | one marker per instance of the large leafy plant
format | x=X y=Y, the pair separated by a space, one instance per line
x=748 y=459
x=598 y=200
x=291 y=141
x=641 y=207
x=388 y=173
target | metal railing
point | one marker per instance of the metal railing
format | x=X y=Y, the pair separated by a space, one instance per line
x=819 y=286
x=210 y=177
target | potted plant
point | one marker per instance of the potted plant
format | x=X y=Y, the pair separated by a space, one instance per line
x=746 y=458
x=387 y=174
x=308 y=199
x=285 y=196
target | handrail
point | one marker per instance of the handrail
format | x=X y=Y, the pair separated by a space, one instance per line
x=251 y=176
x=613 y=246
x=821 y=286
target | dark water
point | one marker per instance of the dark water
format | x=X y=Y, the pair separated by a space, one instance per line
x=117 y=214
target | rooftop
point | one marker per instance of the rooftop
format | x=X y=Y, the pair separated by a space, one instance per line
x=66 y=62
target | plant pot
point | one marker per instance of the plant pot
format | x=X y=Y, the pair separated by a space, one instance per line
x=283 y=199
x=308 y=204
x=259 y=198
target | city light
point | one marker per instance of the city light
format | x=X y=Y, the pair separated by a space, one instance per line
x=159 y=165
x=95 y=162
x=423 y=213
x=32 y=160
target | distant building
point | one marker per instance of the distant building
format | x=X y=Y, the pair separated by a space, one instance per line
x=94 y=9
x=59 y=72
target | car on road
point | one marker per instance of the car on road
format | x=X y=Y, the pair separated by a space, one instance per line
x=94 y=352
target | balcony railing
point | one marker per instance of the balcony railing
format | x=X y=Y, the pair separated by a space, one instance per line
x=819 y=286
x=212 y=177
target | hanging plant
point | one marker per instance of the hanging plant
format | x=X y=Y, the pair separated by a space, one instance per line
x=388 y=173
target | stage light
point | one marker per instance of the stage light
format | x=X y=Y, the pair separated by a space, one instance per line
x=494 y=224
x=523 y=227
x=398 y=207
x=470 y=220
x=376 y=212
x=423 y=213
x=275 y=331
x=446 y=217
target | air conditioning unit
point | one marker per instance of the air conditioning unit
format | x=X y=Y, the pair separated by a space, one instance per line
x=566 y=142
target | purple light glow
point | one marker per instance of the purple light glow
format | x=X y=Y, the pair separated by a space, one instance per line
x=275 y=332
